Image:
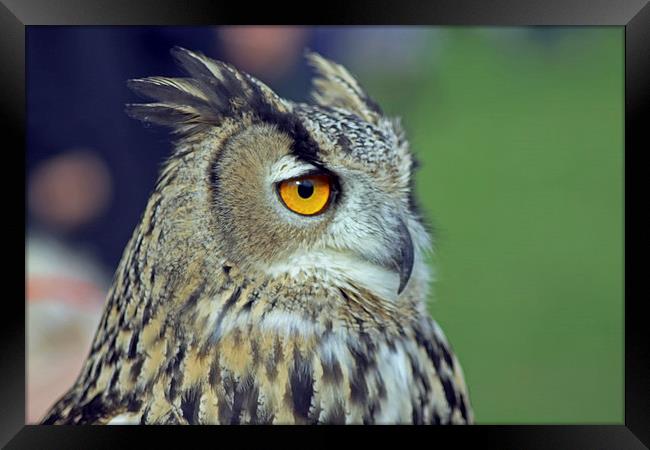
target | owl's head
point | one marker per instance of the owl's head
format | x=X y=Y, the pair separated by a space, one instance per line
x=279 y=188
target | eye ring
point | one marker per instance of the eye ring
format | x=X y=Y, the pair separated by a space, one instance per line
x=307 y=195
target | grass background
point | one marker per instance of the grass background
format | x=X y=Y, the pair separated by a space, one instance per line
x=521 y=146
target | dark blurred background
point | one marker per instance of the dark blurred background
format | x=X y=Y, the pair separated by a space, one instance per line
x=520 y=135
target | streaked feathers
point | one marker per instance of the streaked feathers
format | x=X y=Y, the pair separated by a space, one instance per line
x=227 y=309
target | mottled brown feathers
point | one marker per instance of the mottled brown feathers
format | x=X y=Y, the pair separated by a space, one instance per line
x=228 y=308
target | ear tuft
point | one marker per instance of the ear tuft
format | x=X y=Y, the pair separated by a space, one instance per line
x=334 y=86
x=212 y=92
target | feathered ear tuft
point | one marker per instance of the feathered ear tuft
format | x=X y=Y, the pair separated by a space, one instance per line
x=334 y=86
x=213 y=91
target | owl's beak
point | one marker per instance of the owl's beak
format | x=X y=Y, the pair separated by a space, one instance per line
x=404 y=258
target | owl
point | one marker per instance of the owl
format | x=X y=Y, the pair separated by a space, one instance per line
x=277 y=275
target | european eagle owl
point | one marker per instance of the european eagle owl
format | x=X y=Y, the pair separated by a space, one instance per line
x=277 y=274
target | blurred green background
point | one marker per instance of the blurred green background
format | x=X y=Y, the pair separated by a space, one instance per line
x=521 y=148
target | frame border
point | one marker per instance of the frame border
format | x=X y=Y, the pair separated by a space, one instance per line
x=633 y=15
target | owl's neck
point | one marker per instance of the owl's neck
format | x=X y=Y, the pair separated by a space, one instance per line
x=202 y=301
x=155 y=317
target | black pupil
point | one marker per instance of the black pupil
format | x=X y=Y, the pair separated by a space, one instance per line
x=305 y=189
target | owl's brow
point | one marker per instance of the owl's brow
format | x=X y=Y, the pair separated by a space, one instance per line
x=290 y=167
x=303 y=146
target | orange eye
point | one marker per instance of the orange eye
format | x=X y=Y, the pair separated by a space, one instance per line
x=307 y=195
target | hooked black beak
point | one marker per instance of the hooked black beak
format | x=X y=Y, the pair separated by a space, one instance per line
x=404 y=260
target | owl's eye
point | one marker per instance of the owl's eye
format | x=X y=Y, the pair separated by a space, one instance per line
x=307 y=195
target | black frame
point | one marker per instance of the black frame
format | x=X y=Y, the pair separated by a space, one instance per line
x=633 y=15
